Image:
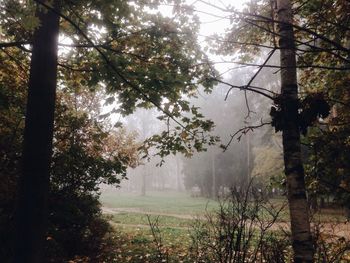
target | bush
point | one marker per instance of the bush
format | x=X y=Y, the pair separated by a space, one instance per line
x=76 y=227
x=240 y=231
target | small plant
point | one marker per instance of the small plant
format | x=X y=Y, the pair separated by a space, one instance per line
x=240 y=231
x=331 y=244
x=248 y=228
x=162 y=251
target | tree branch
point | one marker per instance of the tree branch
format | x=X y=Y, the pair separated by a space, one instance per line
x=243 y=131
x=18 y=44
x=251 y=21
x=244 y=87
x=18 y=63
x=76 y=69
x=12 y=44
x=113 y=67
x=268 y=19
x=279 y=67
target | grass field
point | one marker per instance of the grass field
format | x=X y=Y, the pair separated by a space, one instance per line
x=169 y=202
x=130 y=213
x=178 y=208
x=171 y=206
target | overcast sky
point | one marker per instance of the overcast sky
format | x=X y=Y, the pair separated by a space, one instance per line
x=213 y=20
x=211 y=17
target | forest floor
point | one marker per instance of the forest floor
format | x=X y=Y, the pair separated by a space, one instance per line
x=130 y=214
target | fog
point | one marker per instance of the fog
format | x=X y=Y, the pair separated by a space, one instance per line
x=242 y=154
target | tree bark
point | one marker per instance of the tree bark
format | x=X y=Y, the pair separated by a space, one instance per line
x=298 y=205
x=32 y=206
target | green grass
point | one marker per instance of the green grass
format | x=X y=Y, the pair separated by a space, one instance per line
x=174 y=203
x=175 y=213
x=159 y=202
x=126 y=218
x=131 y=206
x=138 y=242
x=168 y=207
x=171 y=236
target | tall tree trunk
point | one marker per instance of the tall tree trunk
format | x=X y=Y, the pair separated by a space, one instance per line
x=178 y=175
x=143 y=182
x=248 y=158
x=213 y=172
x=32 y=207
x=299 y=210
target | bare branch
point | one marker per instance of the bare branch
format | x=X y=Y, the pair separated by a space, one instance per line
x=279 y=67
x=261 y=67
x=243 y=131
x=76 y=69
x=18 y=44
x=251 y=21
x=12 y=44
x=244 y=87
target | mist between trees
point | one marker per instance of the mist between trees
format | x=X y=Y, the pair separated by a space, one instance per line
x=216 y=169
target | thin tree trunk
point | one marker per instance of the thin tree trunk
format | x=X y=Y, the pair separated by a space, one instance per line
x=248 y=158
x=143 y=185
x=143 y=181
x=299 y=210
x=213 y=172
x=32 y=207
x=178 y=175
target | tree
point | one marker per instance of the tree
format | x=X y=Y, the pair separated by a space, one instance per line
x=327 y=141
x=214 y=170
x=253 y=31
x=32 y=208
x=87 y=151
x=298 y=205
x=139 y=57
x=145 y=129
x=11 y=132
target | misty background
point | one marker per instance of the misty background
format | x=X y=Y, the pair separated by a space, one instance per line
x=240 y=156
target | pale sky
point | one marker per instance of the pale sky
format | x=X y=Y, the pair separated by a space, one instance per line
x=213 y=21
x=211 y=18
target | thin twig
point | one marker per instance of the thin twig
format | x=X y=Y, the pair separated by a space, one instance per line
x=244 y=87
x=244 y=130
